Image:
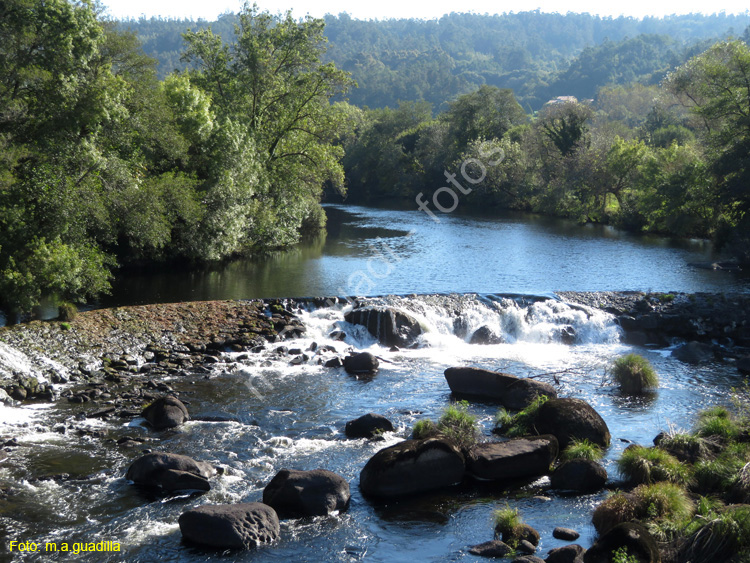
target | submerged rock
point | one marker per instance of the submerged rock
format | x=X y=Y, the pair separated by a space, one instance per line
x=412 y=466
x=693 y=352
x=166 y=412
x=368 y=426
x=494 y=548
x=230 y=526
x=390 y=326
x=170 y=472
x=522 y=457
x=296 y=494
x=569 y=419
x=512 y=392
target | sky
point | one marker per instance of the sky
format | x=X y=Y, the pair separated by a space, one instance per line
x=382 y=9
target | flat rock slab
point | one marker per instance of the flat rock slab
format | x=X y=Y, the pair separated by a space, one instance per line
x=230 y=526
x=412 y=466
x=494 y=548
x=512 y=392
x=522 y=457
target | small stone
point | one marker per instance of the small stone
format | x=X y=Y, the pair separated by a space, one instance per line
x=565 y=534
x=494 y=548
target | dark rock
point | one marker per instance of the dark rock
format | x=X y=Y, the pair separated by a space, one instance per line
x=166 y=412
x=519 y=533
x=170 y=472
x=634 y=537
x=296 y=494
x=367 y=426
x=566 y=534
x=334 y=363
x=18 y=393
x=528 y=559
x=526 y=547
x=521 y=457
x=230 y=526
x=485 y=335
x=412 y=466
x=364 y=362
x=337 y=335
x=581 y=475
x=568 y=554
x=390 y=326
x=693 y=353
x=512 y=392
x=568 y=335
x=494 y=548
x=569 y=419
x=743 y=365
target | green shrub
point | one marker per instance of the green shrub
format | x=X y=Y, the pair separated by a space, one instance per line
x=506 y=519
x=650 y=465
x=634 y=374
x=424 y=429
x=65 y=326
x=582 y=449
x=521 y=423
x=620 y=555
x=721 y=475
x=67 y=312
x=718 y=422
x=664 y=501
x=458 y=425
x=722 y=538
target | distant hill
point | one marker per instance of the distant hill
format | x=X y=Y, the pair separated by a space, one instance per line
x=536 y=54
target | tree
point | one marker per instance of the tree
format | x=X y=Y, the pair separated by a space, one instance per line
x=716 y=87
x=566 y=125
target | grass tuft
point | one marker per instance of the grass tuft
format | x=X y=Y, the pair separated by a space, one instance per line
x=634 y=374
x=424 y=429
x=521 y=423
x=650 y=465
x=457 y=424
x=582 y=449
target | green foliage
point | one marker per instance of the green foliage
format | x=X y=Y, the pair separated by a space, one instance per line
x=582 y=449
x=620 y=555
x=458 y=425
x=65 y=326
x=634 y=374
x=521 y=423
x=506 y=521
x=722 y=536
x=686 y=447
x=717 y=422
x=650 y=465
x=424 y=429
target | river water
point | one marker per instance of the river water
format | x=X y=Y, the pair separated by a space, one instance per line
x=281 y=415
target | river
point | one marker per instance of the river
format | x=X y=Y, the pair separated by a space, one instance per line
x=293 y=416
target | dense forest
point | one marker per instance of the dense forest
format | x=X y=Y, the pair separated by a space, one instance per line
x=539 y=56
x=108 y=158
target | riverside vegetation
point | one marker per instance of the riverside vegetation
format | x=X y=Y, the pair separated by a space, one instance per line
x=104 y=162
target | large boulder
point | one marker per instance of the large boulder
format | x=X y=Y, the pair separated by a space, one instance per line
x=412 y=466
x=230 y=526
x=166 y=412
x=170 y=472
x=572 y=553
x=512 y=392
x=296 y=494
x=368 y=426
x=518 y=458
x=362 y=363
x=632 y=536
x=521 y=532
x=390 y=326
x=569 y=419
x=580 y=475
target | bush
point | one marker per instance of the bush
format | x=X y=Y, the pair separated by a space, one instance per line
x=718 y=422
x=721 y=538
x=67 y=312
x=424 y=429
x=649 y=465
x=721 y=475
x=458 y=425
x=582 y=449
x=634 y=374
x=506 y=520
x=686 y=447
x=522 y=422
